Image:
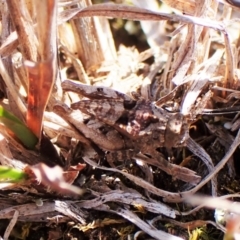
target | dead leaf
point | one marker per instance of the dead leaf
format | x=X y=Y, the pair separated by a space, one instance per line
x=53 y=178
x=72 y=173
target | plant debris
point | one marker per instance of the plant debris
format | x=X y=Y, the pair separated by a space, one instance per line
x=125 y=139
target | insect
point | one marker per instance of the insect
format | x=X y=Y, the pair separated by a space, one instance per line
x=143 y=126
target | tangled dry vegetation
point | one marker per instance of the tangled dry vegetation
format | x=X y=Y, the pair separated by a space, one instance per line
x=137 y=132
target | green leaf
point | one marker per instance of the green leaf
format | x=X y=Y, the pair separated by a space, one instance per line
x=12 y=175
x=21 y=131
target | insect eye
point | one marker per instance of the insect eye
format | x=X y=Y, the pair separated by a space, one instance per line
x=129 y=104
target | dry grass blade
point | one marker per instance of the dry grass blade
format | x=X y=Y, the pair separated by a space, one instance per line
x=204 y=156
x=71 y=210
x=134 y=13
x=56 y=125
x=40 y=86
x=214 y=202
x=174 y=197
x=32 y=210
x=131 y=199
x=9 y=45
x=12 y=90
x=11 y=225
x=152 y=231
x=218 y=167
x=24 y=27
x=147 y=228
x=26 y=209
x=42 y=75
x=88 y=34
x=174 y=170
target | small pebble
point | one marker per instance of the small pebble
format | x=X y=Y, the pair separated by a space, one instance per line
x=39 y=202
x=228 y=125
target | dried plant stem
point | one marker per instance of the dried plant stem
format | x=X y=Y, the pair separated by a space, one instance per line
x=11 y=87
x=24 y=27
